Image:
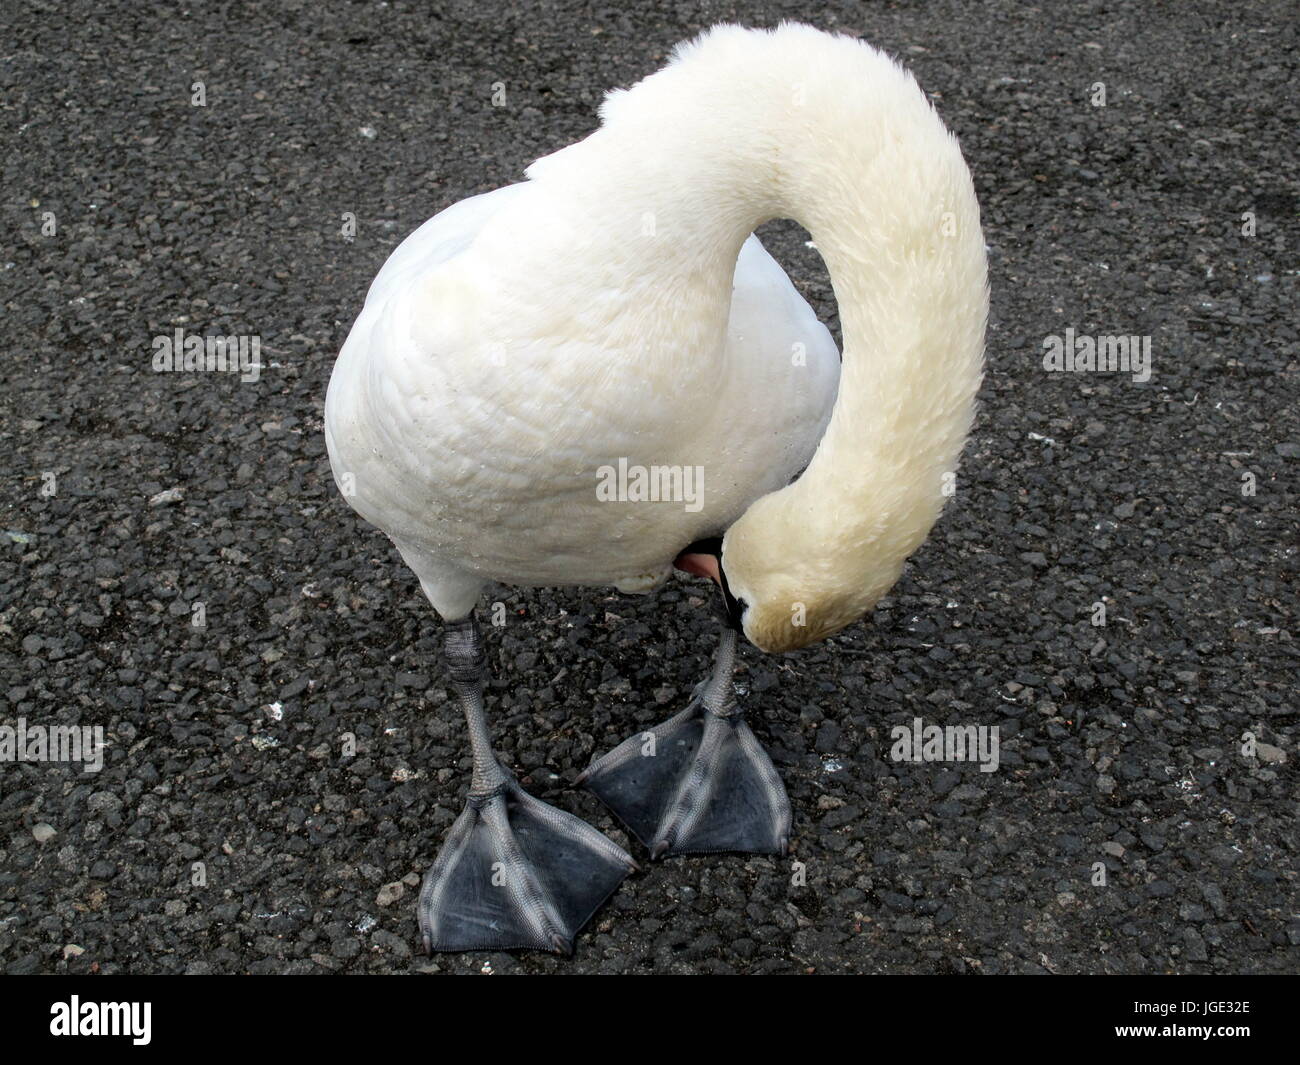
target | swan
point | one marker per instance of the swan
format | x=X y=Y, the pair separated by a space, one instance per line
x=615 y=308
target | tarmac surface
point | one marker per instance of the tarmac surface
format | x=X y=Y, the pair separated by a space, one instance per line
x=229 y=832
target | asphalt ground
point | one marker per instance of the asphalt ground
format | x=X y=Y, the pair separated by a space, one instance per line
x=228 y=832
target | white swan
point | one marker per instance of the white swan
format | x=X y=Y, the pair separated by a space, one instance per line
x=615 y=306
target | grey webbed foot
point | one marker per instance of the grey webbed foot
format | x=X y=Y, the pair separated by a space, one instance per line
x=515 y=873
x=698 y=783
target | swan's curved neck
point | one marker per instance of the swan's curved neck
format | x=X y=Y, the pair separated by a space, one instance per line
x=743 y=127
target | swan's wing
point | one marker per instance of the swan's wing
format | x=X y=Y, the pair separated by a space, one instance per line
x=785 y=367
x=768 y=310
x=443 y=236
x=381 y=372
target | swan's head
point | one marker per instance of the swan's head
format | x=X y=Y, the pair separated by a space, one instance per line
x=783 y=596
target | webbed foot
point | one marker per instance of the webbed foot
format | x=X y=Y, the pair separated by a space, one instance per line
x=699 y=783
x=515 y=873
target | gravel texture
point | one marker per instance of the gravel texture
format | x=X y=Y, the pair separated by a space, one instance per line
x=1121 y=744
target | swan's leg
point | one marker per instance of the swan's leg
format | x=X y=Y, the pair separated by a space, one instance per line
x=513 y=872
x=700 y=782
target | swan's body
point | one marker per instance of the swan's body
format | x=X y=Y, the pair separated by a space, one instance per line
x=474 y=439
x=616 y=307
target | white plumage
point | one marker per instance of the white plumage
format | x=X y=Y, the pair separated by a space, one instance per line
x=520 y=340
x=615 y=310
x=474 y=438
